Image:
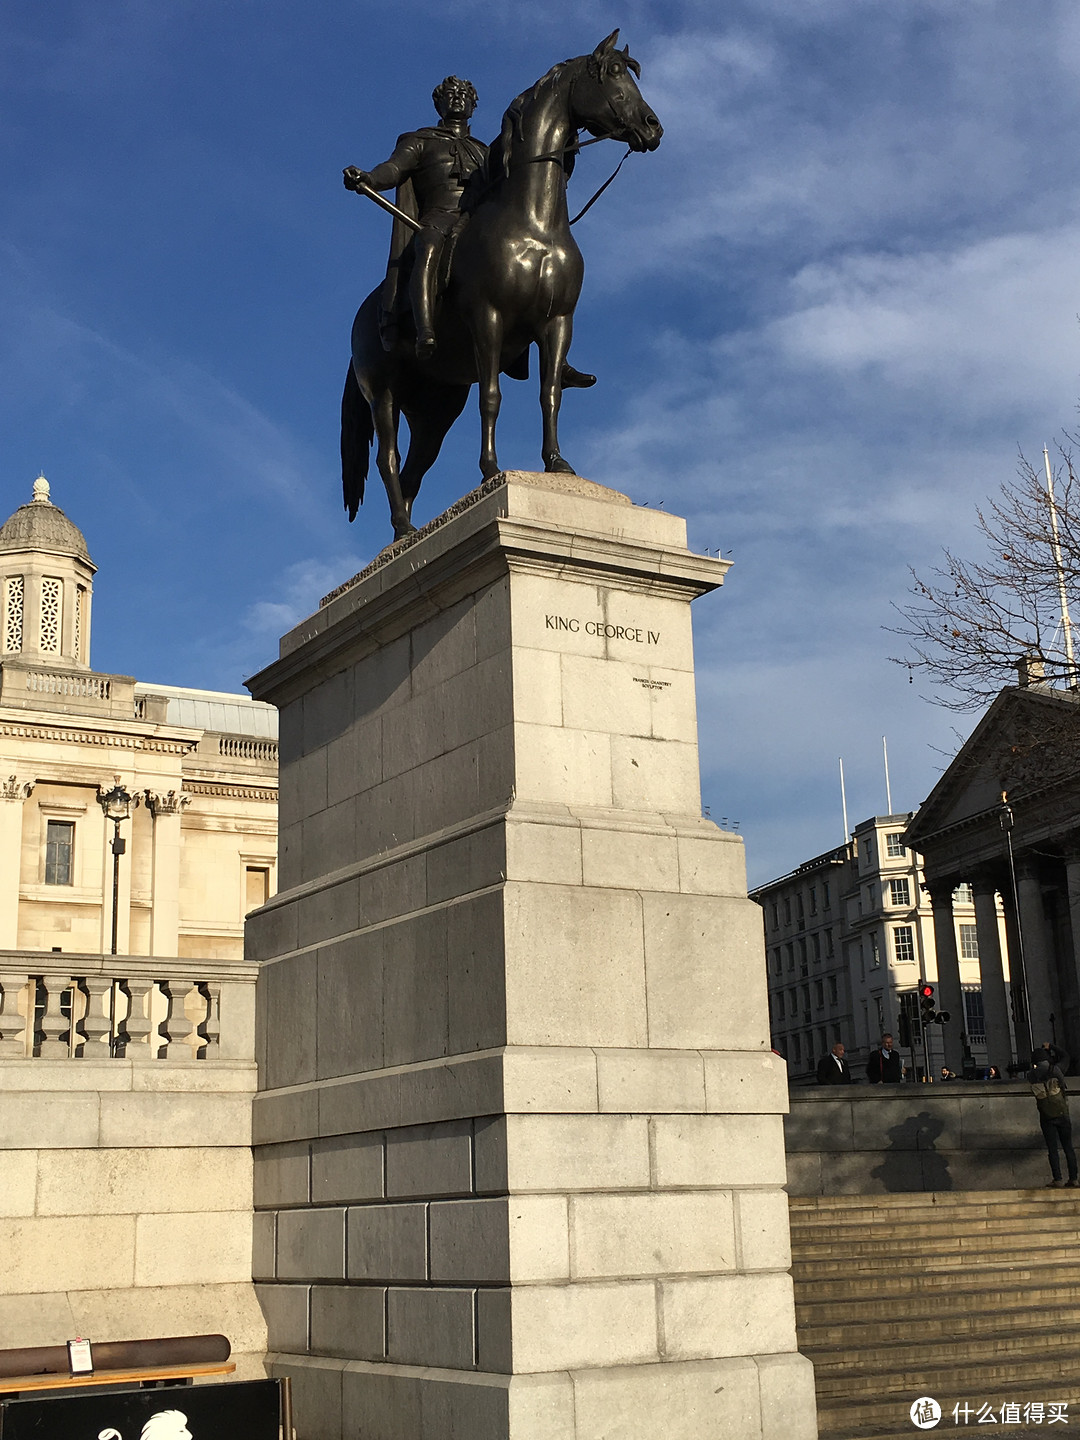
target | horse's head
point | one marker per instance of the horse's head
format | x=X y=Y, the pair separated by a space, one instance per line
x=607 y=101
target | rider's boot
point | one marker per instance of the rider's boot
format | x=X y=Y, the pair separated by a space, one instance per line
x=572 y=379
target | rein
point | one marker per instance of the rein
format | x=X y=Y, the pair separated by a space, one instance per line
x=575 y=148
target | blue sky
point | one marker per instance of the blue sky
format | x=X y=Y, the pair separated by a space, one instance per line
x=825 y=313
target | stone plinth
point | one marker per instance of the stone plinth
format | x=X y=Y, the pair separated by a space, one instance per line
x=519 y=1148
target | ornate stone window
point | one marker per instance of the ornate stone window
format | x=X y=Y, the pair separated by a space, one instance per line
x=51 y=592
x=14 y=593
x=80 y=605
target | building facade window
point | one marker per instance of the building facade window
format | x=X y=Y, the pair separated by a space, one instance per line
x=813 y=899
x=51 y=594
x=14 y=598
x=775 y=916
x=895 y=848
x=804 y=967
x=819 y=994
x=789 y=956
x=787 y=912
x=256 y=887
x=833 y=994
x=826 y=898
x=900 y=891
x=969 y=942
x=875 y=951
x=815 y=940
x=963 y=894
x=974 y=1018
x=59 y=852
x=904 y=944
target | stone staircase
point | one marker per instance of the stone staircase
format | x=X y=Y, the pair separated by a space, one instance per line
x=968 y=1296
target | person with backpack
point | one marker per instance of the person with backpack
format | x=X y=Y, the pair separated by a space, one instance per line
x=1047 y=1081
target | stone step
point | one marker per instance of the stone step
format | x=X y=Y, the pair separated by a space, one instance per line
x=803 y=1236
x=1038 y=1282
x=922 y=1355
x=887 y=1416
x=902 y=1209
x=935 y=1200
x=994 y=1375
x=941 y=1239
x=864 y=1270
x=937 y=1327
x=814 y=1308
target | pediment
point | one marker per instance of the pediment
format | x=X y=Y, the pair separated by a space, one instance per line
x=1027 y=740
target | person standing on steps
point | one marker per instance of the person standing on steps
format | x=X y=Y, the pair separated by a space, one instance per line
x=1047 y=1081
x=885 y=1066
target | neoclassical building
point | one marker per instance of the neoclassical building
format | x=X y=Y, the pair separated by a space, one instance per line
x=1005 y=820
x=200 y=768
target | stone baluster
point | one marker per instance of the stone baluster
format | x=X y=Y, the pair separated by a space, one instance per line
x=97 y=1023
x=178 y=1028
x=54 y=1023
x=211 y=1026
x=141 y=1038
x=13 y=1026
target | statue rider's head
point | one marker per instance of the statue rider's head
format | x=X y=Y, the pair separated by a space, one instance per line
x=454 y=99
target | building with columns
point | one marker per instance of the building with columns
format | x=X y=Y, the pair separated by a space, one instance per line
x=1004 y=819
x=200 y=844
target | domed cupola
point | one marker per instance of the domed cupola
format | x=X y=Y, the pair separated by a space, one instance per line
x=46 y=581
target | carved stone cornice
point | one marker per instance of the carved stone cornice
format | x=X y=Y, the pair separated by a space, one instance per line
x=171 y=802
x=15 y=789
x=98 y=737
x=230 y=792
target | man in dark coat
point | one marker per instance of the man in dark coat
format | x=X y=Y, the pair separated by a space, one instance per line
x=833 y=1069
x=885 y=1066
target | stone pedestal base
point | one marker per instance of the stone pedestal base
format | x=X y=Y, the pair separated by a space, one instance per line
x=519 y=1148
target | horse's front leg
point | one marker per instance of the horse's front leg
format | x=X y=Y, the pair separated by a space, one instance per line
x=554 y=346
x=487 y=343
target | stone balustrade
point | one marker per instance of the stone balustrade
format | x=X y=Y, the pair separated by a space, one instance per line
x=102 y=1007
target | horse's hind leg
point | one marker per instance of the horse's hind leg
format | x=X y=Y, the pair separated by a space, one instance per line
x=388 y=460
x=429 y=421
x=554 y=345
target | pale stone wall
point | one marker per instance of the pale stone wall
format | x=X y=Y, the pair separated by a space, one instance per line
x=519 y=1157
x=866 y=1140
x=125 y=1187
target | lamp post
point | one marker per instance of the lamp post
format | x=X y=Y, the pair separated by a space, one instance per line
x=1006 y=821
x=117 y=805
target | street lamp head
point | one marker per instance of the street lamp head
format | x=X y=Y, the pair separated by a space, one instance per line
x=116 y=803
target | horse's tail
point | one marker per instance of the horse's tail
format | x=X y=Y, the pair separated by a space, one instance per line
x=357 y=433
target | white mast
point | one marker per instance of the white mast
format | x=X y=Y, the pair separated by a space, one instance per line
x=843 y=799
x=888 y=790
x=1066 y=623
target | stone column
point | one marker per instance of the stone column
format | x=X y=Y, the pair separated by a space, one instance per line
x=167 y=809
x=13 y=792
x=950 y=995
x=991 y=971
x=1038 y=950
x=519 y=1152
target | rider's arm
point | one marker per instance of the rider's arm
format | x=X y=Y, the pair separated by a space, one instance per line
x=404 y=160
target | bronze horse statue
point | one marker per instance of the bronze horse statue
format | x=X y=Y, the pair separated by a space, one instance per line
x=514 y=280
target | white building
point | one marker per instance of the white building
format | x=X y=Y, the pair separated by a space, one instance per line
x=849 y=937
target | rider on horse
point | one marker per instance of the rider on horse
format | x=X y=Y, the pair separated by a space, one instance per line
x=429 y=170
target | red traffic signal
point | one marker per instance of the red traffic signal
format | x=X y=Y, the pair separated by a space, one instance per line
x=926 y=991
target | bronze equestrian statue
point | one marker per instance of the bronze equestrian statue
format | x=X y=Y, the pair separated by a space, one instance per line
x=492 y=266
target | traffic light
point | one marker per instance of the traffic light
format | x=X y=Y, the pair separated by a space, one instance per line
x=927 y=1011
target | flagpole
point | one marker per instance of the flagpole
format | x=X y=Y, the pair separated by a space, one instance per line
x=1066 y=623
